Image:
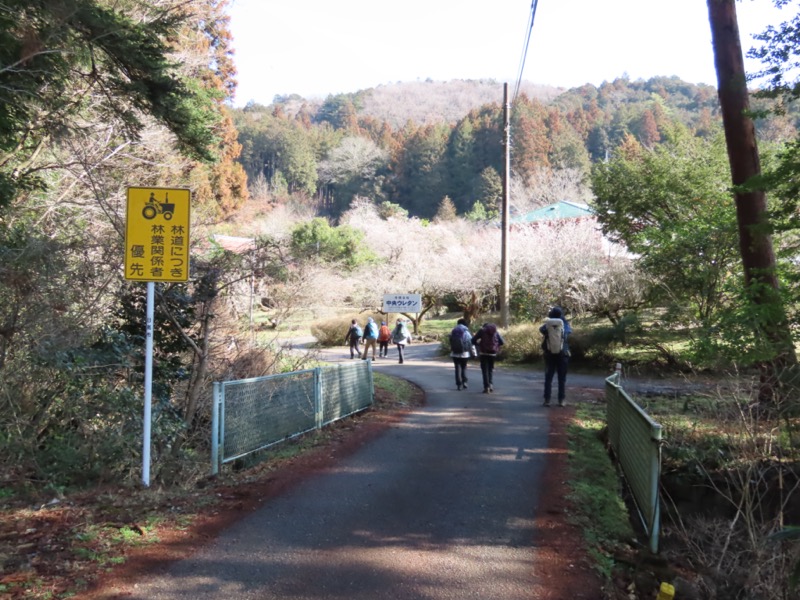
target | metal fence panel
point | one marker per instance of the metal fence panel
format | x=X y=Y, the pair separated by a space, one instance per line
x=636 y=440
x=346 y=389
x=259 y=412
x=252 y=414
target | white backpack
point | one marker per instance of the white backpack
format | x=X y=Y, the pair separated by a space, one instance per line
x=554 y=336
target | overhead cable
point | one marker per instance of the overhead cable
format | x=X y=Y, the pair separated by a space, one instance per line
x=525 y=48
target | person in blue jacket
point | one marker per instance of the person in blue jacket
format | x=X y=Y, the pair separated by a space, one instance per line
x=556 y=361
x=370 y=338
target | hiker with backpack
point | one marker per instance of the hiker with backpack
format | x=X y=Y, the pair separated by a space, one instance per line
x=353 y=338
x=400 y=337
x=488 y=341
x=555 y=330
x=370 y=338
x=384 y=337
x=460 y=347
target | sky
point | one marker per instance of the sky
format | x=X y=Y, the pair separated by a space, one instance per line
x=319 y=47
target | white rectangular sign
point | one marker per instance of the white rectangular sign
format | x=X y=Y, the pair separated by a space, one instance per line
x=402 y=303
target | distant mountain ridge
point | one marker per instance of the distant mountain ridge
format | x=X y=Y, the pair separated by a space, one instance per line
x=424 y=102
x=429 y=101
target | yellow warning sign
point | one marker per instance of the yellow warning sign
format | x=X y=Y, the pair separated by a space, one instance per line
x=157 y=234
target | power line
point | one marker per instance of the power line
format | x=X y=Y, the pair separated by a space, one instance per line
x=525 y=49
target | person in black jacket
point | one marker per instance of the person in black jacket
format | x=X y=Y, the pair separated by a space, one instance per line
x=353 y=339
x=488 y=341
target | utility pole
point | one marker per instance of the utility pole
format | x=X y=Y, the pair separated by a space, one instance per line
x=504 y=278
x=755 y=242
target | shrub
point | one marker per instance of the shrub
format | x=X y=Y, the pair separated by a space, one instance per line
x=580 y=344
x=596 y=343
x=331 y=332
x=444 y=347
x=523 y=343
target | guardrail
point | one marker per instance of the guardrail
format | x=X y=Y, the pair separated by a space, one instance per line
x=635 y=439
x=249 y=415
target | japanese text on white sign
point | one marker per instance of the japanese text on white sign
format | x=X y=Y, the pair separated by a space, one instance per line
x=407 y=303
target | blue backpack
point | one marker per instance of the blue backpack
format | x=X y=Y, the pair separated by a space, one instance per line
x=460 y=340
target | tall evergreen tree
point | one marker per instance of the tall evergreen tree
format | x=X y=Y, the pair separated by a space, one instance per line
x=529 y=141
x=446 y=211
x=461 y=164
x=57 y=54
x=421 y=178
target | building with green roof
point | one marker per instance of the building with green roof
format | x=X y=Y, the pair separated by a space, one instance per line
x=554 y=212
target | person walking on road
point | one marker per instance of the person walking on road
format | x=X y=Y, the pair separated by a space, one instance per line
x=384 y=337
x=353 y=338
x=400 y=337
x=460 y=346
x=488 y=341
x=370 y=338
x=555 y=330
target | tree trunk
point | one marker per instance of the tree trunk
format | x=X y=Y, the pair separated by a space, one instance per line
x=472 y=307
x=755 y=242
x=428 y=302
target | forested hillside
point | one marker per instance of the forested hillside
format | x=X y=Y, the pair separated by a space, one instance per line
x=417 y=144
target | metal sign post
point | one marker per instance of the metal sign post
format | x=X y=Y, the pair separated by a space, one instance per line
x=148 y=384
x=156 y=249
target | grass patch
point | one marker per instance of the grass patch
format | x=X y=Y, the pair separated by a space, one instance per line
x=597 y=506
x=440 y=326
x=399 y=390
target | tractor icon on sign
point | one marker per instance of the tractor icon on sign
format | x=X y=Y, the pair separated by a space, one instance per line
x=153 y=207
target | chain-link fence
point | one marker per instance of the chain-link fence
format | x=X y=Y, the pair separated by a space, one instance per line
x=252 y=414
x=635 y=439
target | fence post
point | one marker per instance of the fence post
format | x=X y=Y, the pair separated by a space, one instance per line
x=371 y=383
x=318 y=399
x=655 y=473
x=215 y=401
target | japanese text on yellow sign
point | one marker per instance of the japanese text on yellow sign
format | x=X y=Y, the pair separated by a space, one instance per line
x=157 y=234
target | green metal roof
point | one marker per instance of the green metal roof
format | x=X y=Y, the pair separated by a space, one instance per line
x=559 y=210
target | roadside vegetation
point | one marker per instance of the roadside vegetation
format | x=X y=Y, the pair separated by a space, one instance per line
x=596 y=499
x=60 y=547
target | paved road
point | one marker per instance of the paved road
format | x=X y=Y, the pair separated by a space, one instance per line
x=439 y=508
